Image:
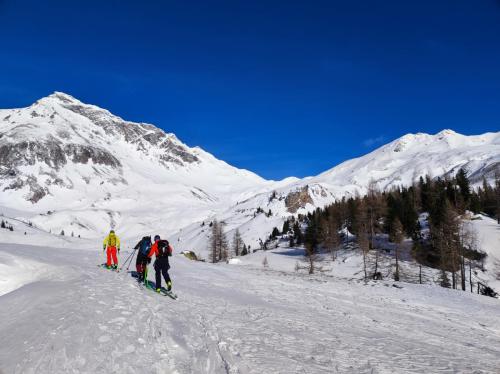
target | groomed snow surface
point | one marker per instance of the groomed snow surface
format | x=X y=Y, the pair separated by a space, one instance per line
x=60 y=313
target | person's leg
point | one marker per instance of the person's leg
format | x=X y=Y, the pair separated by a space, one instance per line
x=108 y=257
x=158 y=274
x=113 y=254
x=145 y=274
x=138 y=264
x=167 y=277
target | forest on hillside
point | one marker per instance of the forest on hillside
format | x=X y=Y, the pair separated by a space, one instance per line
x=432 y=214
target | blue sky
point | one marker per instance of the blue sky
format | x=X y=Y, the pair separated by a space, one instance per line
x=278 y=87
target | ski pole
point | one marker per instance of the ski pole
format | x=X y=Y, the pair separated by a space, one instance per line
x=129 y=257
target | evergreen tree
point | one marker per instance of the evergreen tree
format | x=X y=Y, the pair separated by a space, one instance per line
x=353 y=214
x=464 y=186
x=244 y=251
x=497 y=195
x=445 y=237
x=286 y=227
x=275 y=233
x=409 y=214
x=425 y=193
x=297 y=232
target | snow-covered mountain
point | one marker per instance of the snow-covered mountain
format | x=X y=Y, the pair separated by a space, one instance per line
x=79 y=168
x=399 y=163
x=92 y=169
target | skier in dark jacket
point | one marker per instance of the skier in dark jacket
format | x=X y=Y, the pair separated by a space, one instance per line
x=142 y=260
x=162 y=250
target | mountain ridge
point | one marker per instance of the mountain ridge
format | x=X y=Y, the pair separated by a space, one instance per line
x=93 y=169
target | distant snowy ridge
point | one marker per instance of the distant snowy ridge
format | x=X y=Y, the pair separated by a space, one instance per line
x=399 y=163
x=79 y=168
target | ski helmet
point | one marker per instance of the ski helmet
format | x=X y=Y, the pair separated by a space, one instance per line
x=157 y=237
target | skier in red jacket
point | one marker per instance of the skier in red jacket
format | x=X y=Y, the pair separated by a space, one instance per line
x=162 y=250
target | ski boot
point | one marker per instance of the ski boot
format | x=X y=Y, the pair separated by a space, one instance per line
x=169 y=286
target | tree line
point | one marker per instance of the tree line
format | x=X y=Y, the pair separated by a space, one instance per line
x=449 y=245
x=220 y=248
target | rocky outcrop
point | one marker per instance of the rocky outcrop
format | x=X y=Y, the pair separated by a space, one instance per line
x=298 y=199
x=54 y=154
x=143 y=135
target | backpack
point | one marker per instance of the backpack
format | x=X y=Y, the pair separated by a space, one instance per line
x=145 y=245
x=112 y=240
x=164 y=248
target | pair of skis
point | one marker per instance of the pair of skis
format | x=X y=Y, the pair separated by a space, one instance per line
x=163 y=292
x=148 y=285
x=104 y=266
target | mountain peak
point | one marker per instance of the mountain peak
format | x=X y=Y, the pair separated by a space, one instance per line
x=58 y=97
x=447 y=132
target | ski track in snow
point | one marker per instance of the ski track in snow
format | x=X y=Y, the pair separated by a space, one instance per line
x=231 y=319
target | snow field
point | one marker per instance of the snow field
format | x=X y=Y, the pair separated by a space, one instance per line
x=238 y=319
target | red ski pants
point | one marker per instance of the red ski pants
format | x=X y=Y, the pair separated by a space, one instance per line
x=111 y=254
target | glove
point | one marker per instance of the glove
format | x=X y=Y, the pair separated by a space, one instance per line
x=103 y=248
x=149 y=260
x=118 y=250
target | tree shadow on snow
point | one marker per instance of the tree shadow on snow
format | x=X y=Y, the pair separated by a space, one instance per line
x=294 y=252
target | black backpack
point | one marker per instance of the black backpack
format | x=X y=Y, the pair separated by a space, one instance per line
x=164 y=248
x=145 y=245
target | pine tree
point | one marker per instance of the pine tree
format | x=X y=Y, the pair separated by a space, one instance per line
x=297 y=232
x=2 y=225
x=275 y=233
x=445 y=237
x=62 y=232
x=426 y=197
x=286 y=227
x=464 y=186
x=497 y=195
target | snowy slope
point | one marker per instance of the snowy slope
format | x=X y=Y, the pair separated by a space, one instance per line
x=488 y=237
x=78 y=318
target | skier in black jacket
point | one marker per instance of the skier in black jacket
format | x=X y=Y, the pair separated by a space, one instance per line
x=162 y=250
x=142 y=260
